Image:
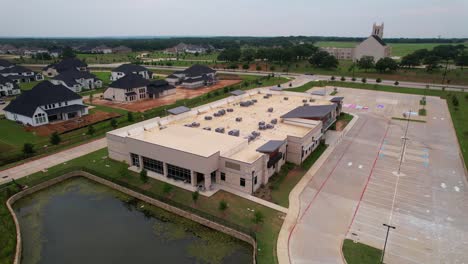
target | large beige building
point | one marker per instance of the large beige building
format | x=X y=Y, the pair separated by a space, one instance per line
x=373 y=46
x=236 y=143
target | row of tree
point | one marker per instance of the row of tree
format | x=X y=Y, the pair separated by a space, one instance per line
x=442 y=54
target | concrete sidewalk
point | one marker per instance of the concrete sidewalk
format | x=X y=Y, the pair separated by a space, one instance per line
x=40 y=164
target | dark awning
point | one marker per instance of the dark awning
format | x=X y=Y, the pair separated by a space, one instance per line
x=336 y=99
x=65 y=109
x=130 y=93
x=273 y=160
x=270 y=146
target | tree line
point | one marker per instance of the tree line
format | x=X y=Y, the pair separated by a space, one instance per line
x=442 y=54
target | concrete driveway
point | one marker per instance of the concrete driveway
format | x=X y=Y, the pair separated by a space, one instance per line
x=2 y=106
x=357 y=189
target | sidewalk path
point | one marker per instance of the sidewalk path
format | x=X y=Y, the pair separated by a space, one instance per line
x=255 y=199
x=51 y=160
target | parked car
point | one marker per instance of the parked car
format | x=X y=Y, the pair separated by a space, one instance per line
x=2 y=102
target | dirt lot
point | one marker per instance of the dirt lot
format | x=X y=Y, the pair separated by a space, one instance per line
x=69 y=125
x=181 y=93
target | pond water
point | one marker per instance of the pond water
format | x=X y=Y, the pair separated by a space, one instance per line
x=80 y=221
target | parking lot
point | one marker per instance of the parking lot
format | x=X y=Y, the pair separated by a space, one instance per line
x=358 y=189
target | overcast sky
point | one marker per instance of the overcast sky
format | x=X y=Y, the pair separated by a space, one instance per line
x=92 y=18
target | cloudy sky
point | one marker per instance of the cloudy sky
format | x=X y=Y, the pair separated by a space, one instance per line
x=91 y=18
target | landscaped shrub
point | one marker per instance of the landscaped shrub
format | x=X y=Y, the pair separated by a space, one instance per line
x=343 y=78
x=363 y=80
x=422 y=112
x=396 y=83
x=332 y=78
x=55 y=138
x=455 y=100
x=378 y=80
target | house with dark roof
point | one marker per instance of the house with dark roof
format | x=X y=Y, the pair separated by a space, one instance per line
x=77 y=81
x=194 y=77
x=121 y=49
x=102 y=49
x=8 y=87
x=20 y=74
x=55 y=69
x=189 y=48
x=45 y=103
x=324 y=113
x=126 y=69
x=5 y=64
x=133 y=87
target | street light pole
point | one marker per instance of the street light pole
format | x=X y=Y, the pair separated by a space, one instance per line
x=405 y=138
x=386 y=238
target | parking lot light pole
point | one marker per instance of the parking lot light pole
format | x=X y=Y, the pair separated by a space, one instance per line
x=386 y=238
x=405 y=138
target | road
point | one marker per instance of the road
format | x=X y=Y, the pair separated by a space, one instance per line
x=358 y=189
x=51 y=160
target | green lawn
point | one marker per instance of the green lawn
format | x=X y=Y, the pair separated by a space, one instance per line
x=107 y=58
x=358 y=253
x=282 y=183
x=104 y=76
x=26 y=86
x=237 y=212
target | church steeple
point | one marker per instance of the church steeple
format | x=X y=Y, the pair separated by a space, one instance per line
x=377 y=30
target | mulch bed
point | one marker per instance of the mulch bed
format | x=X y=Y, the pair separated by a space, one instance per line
x=73 y=124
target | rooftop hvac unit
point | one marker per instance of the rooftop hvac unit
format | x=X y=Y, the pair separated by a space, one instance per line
x=254 y=100
x=216 y=115
x=286 y=98
x=234 y=132
x=207 y=128
x=255 y=133
x=306 y=104
x=188 y=125
x=230 y=110
x=270 y=126
x=311 y=100
x=266 y=97
x=270 y=109
x=238 y=119
x=195 y=124
x=220 y=130
x=274 y=121
x=222 y=112
x=208 y=117
x=261 y=123
x=262 y=127
x=250 y=138
x=304 y=101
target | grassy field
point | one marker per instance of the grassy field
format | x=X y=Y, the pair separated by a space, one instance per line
x=237 y=213
x=398 y=49
x=357 y=253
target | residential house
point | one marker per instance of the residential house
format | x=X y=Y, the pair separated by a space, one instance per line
x=5 y=64
x=133 y=87
x=126 y=69
x=102 y=49
x=20 y=74
x=194 y=77
x=32 y=51
x=121 y=49
x=8 y=87
x=55 y=69
x=45 y=103
x=77 y=81
x=188 y=48
x=55 y=53
x=8 y=49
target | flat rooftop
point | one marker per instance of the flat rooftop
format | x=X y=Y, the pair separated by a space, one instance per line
x=196 y=141
x=177 y=135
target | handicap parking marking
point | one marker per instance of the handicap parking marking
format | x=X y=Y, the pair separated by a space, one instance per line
x=443 y=185
x=456 y=188
x=350 y=164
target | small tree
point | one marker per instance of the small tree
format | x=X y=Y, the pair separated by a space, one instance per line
x=258 y=217
x=343 y=78
x=130 y=117
x=245 y=66
x=223 y=206
x=363 y=80
x=455 y=101
x=332 y=78
x=396 y=83
x=91 y=130
x=378 y=80
x=353 y=79
x=28 y=149
x=290 y=84
x=55 y=138
x=114 y=123
x=144 y=176
x=195 y=196
x=167 y=188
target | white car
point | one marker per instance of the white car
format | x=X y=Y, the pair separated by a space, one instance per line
x=2 y=102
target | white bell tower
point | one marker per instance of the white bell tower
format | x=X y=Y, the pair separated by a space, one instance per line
x=377 y=30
